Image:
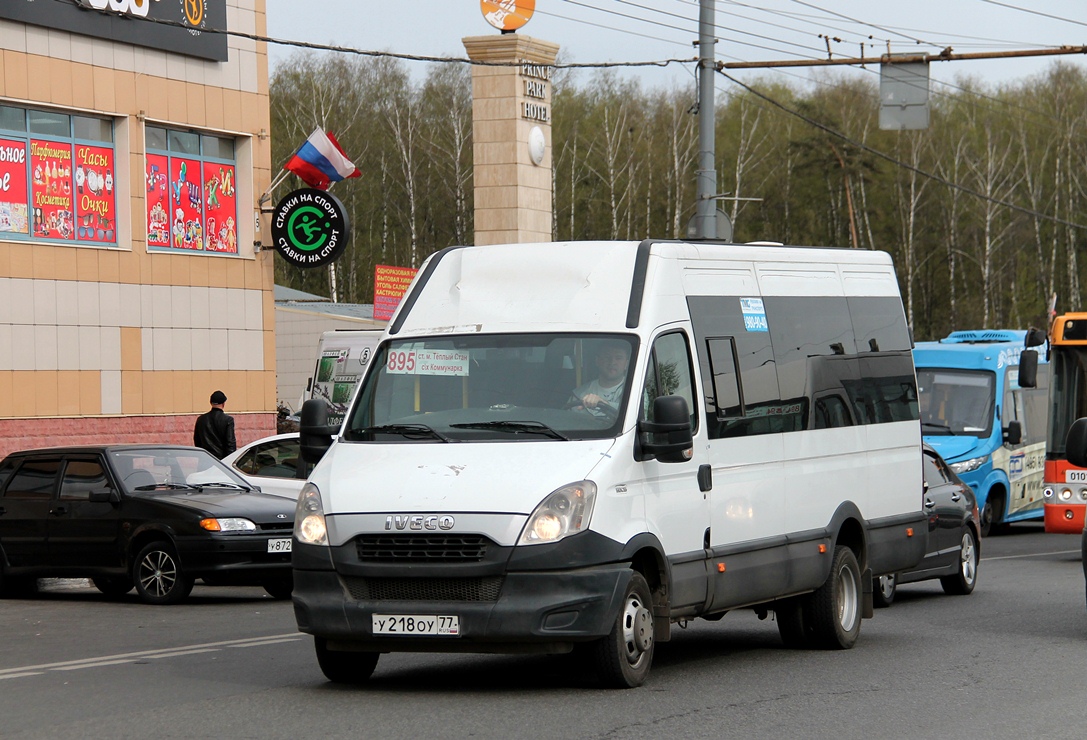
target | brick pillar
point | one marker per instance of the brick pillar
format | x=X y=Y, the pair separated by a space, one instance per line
x=513 y=201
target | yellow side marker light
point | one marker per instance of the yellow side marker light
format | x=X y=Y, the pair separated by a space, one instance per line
x=822 y=549
x=909 y=531
x=720 y=567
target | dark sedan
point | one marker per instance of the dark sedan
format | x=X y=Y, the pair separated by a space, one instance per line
x=954 y=543
x=149 y=517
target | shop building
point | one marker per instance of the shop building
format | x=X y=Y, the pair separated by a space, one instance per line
x=133 y=150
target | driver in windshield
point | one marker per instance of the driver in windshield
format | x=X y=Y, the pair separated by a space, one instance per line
x=601 y=397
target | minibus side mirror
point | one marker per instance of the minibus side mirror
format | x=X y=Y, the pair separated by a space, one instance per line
x=1013 y=433
x=668 y=437
x=1076 y=443
x=314 y=434
x=1035 y=337
x=1028 y=368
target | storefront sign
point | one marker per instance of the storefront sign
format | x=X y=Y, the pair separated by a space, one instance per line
x=185 y=29
x=310 y=228
x=390 y=285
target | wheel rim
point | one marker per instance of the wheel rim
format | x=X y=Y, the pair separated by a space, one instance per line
x=847 y=599
x=968 y=564
x=887 y=586
x=637 y=629
x=158 y=573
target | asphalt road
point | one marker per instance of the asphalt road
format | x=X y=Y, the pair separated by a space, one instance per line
x=1008 y=661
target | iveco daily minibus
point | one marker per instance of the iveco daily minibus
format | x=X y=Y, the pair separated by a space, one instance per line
x=573 y=446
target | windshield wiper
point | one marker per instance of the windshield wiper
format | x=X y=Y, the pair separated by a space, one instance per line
x=169 y=486
x=944 y=427
x=225 y=484
x=411 y=431
x=531 y=427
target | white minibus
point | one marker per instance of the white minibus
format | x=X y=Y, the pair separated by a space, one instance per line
x=574 y=446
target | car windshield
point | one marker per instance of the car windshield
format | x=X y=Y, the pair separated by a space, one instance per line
x=157 y=470
x=505 y=387
x=956 y=401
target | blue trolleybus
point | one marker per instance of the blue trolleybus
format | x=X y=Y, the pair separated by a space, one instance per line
x=989 y=429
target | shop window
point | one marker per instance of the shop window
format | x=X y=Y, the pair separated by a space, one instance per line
x=191 y=202
x=57 y=174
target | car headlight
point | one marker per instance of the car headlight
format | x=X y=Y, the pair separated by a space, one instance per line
x=564 y=512
x=309 y=517
x=228 y=524
x=967 y=466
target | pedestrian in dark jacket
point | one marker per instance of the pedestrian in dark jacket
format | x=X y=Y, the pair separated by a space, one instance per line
x=215 y=430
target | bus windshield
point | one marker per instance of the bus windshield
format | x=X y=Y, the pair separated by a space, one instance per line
x=958 y=402
x=506 y=387
x=1068 y=393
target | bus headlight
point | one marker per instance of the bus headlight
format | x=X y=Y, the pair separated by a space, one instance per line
x=967 y=466
x=1048 y=492
x=1083 y=494
x=1065 y=494
x=564 y=512
x=309 y=517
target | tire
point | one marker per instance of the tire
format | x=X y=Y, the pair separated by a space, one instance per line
x=962 y=583
x=16 y=587
x=113 y=586
x=883 y=590
x=158 y=576
x=834 y=609
x=342 y=666
x=279 y=589
x=624 y=657
x=792 y=624
x=990 y=524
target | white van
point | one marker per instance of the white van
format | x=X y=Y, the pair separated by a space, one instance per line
x=763 y=451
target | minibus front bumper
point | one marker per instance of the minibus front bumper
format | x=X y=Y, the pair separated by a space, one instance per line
x=514 y=612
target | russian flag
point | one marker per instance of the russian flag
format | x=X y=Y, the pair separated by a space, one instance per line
x=321 y=161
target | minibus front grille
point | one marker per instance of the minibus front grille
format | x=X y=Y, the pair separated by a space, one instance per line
x=421 y=548
x=424 y=589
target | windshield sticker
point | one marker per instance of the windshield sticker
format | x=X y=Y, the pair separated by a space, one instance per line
x=754 y=314
x=427 y=362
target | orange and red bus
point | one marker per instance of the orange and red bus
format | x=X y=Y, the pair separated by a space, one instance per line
x=1065 y=486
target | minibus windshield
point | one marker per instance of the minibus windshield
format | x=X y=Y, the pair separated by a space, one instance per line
x=956 y=401
x=495 y=387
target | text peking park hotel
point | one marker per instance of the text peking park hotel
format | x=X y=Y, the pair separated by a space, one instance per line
x=133 y=150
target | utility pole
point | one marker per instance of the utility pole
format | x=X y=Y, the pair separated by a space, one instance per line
x=706 y=189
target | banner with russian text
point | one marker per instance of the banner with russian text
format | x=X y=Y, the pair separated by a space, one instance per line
x=96 y=214
x=14 y=218
x=51 y=189
x=390 y=285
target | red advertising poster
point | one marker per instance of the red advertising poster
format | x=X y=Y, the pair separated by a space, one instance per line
x=95 y=204
x=220 y=209
x=14 y=214
x=390 y=284
x=158 y=201
x=186 y=201
x=51 y=190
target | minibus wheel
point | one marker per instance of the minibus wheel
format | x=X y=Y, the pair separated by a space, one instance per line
x=623 y=657
x=835 y=607
x=341 y=666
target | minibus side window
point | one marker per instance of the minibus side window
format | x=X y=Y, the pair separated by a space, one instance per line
x=669 y=373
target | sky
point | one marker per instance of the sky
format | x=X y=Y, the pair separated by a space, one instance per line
x=591 y=31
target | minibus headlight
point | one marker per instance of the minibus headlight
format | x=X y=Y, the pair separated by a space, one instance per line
x=564 y=512
x=309 y=517
x=1065 y=494
x=968 y=466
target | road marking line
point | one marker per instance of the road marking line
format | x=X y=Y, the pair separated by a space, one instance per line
x=1032 y=555
x=33 y=670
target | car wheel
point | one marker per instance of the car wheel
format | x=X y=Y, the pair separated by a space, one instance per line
x=279 y=589
x=623 y=657
x=964 y=580
x=344 y=666
x=158 y=575
x=883 y=590
x=113 y=586
x=793 y=627
x=835 y=607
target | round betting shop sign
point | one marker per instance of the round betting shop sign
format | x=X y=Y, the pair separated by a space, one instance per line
x=507 y=15
x=310 y=228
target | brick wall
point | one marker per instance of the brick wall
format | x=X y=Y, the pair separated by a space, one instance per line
x=19 y=434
